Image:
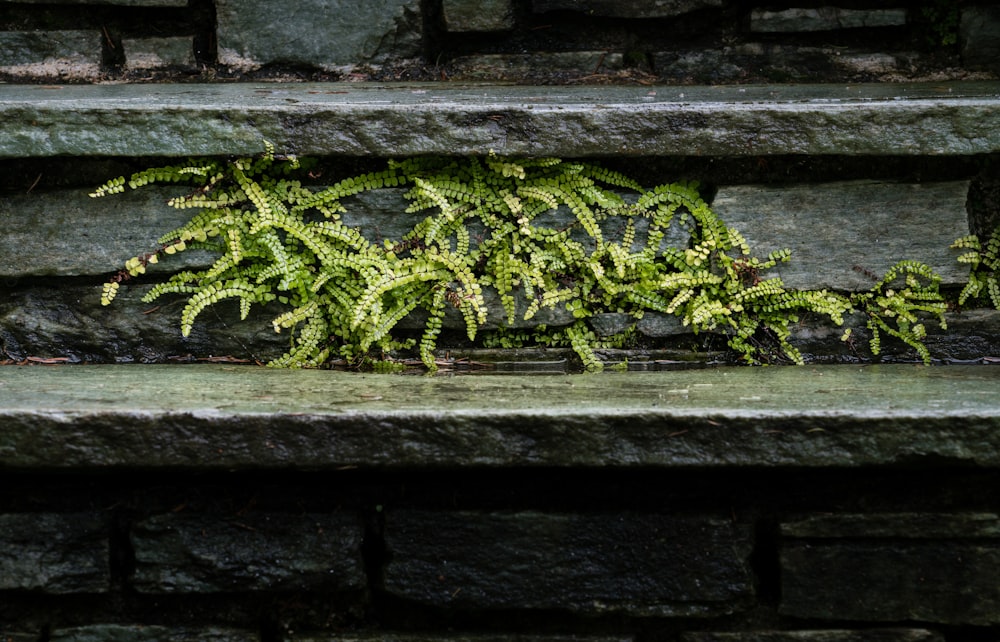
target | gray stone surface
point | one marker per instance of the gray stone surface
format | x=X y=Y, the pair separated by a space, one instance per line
x=66 y=233
x=481 y=15
x=839 y=231
x=538 y=65
x=824 y=19
x=979 y=36
x=649 y=565
x=320 y=33
x=577 y=121
x=54 y=553
x=832 y=635
x=187 y=553
x=229 y=417
x=626 y=8
x=66 y=53
x=897 y=525
x=450 y=636
x=892 y=581
x=150 y=633
x=129 y=3
x=157 y=53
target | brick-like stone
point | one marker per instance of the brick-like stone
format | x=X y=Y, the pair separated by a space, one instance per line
x=627 y=8
x=651 y=565
x=979 y=35
x=824 y=19
x=892 y=568
x=321 y=33
x=840 y=233
x=54 y=553
x=66 y=53
x=481 y=15
x=341 y=636
x=181 y=553
x=124 y=3
x=158 y=53
x=150 y=633
x=832 y=635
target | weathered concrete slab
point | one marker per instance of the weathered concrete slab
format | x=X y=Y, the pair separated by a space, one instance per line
x=488 y=15
x=157 y=53
x=246 y=418
x=689 y=566
x=579 y=121
x=841 y=234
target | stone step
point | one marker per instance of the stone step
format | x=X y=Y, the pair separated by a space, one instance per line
x=394 y=120
x=227 y=417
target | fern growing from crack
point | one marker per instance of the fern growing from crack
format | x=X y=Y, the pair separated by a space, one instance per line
x=486 y=227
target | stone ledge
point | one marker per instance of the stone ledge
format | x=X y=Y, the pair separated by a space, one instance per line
x=101 y=418
x=439 y=118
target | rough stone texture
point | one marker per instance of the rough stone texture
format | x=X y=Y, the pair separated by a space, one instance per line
x=182 y=553
x=128 y=3
x=627 y=8
x=839 y=231
x=782 y=63
x=13 y=636
x=898 y=525
x=157 y=53
x=842 y=635
x=979 y=35
x=54 y=553
x=451 y=636
x=248 y=418
x=320 y=33
x=824 y=19
x=482 y=15
x=651 y=565
x=69 y=54
x=140 y=633
x=954 y=584
x=568 y=122
x=498 y=67
x=919 y=567
x=67 y=233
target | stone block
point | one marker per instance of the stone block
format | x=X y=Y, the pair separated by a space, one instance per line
x=824 y=19
x=481 y=15
x=643 y=565
x=67 y=53
x=627 y=8
x=54 y=553
x=158 y=53
x=449 y=637
x=180 y=553
x=123 y=3
x=365 y=119
x=833 y=635
x=892 y=568
x=151 y=633
x=979 y=36
x=320 y=33
x=842 y=233
x=67 y=233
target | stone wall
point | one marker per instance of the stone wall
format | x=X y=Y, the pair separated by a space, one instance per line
x=686 y=41
x=741 y=556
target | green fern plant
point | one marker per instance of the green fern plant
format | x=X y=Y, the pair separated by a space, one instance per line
x=984 y=268
x=486 y=227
